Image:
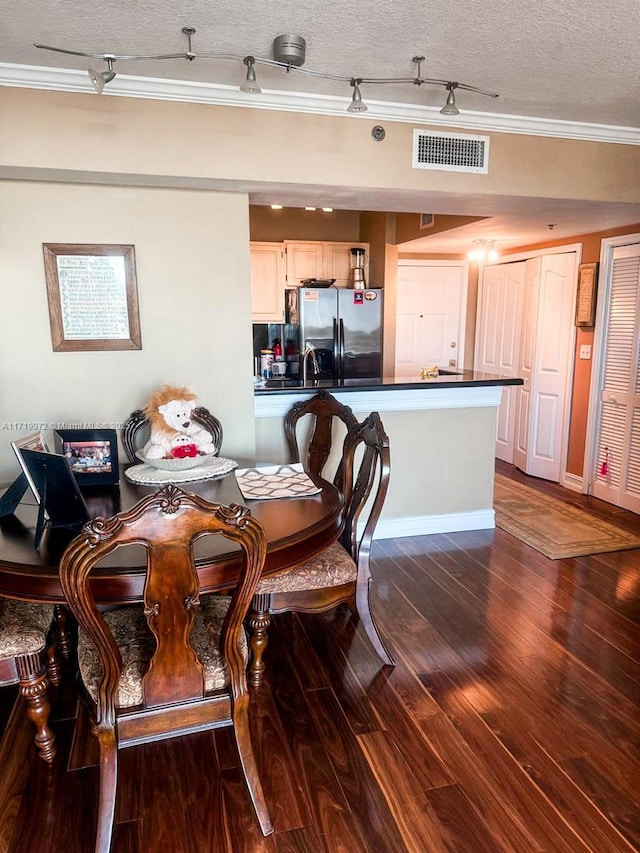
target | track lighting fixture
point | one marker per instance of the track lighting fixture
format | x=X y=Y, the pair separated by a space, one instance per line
x=289 y=54
x=250 y=84
x=356 y=105
x=483 y=251
x=101 y=78
x=450 y=108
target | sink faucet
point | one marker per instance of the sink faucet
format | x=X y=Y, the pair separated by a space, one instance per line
x=309 y=351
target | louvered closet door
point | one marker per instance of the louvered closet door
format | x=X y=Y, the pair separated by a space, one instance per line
x=617 y=475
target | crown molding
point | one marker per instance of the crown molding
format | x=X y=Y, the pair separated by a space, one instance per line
x=153 y=88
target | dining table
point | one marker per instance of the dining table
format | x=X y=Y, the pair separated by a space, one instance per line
x=297 y=529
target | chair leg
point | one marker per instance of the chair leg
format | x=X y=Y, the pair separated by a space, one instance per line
x=33 y=686
x=363 y=606
x=108 y=787
x=259 y=621
x=53 y=664
x=61 y=615
x=240 y=717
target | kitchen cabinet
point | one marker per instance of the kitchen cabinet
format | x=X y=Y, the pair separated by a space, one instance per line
x=267 y=282
x=315 y=259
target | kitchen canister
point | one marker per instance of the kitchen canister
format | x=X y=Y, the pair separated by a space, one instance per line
x=266 y=360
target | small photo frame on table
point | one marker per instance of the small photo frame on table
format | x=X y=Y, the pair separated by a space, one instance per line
x=35 y=441
x=586 y=297
x=59 y=496
x=93 y=297
x=92 y=455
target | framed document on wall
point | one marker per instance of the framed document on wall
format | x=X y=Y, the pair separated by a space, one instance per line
x=93 y=297
x=586 y=298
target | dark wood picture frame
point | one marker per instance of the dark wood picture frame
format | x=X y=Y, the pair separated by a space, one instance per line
x=93 y=297
x=86 y=451
x=586 y=296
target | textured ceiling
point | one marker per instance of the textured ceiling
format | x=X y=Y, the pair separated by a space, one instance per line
x=574 y=60
x=567 y=60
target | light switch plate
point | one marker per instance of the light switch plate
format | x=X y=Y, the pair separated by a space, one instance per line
x=585 y=351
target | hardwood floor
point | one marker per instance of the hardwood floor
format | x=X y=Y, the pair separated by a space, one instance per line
x=510 y=722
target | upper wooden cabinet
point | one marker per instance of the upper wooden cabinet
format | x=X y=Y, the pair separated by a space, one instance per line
x=267 y=282
x=319 y=260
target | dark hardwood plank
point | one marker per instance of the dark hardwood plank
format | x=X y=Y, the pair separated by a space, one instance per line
x=466 y=833
x=417 y=824
x=366 y=801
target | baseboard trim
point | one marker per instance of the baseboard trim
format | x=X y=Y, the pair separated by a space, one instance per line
x=453 y=522
x=573 y=482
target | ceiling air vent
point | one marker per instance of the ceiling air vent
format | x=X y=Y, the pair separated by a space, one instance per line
x=450 y=152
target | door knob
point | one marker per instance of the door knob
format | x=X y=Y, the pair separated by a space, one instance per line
x=452 y=344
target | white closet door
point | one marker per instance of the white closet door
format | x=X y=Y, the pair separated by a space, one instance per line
x=527 y=357
x=546 y=359
x=498 y=341
x=431 y=301
x=618 y=442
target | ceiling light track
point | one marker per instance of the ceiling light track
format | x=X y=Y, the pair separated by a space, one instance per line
x=289 y=53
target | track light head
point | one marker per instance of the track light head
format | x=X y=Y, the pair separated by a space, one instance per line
x=450 y=108
x=99 y=79
x=250 y=84
x=357 y=105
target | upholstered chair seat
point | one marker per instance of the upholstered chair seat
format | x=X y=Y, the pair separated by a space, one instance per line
x=332 y=567
x=23 y=628
x=28 y=658
x=137 y=646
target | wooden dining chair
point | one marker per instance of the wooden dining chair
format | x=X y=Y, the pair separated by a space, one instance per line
x=136 y=430
x=324 y=410
x=177 y=664
x=341 y=573
x=28 y=646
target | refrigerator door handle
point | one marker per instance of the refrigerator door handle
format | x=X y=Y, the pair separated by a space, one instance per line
x=336 y=350
x=341 y=356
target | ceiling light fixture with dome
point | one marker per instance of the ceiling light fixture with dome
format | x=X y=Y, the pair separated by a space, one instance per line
x=289 y=53
x=483 y=251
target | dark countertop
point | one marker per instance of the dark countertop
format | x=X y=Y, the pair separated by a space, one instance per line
x=446 y=379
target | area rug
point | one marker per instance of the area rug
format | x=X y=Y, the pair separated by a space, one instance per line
x=552 y=527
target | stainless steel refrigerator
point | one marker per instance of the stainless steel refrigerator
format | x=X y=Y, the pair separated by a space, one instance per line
x=345 y=328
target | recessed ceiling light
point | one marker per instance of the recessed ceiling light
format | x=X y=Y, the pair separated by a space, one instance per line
x=276 y=207
x=311 y=208
x=328 y=209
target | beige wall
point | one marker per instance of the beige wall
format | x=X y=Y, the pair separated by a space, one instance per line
x=192 y=260
x=137 y=139
x=441 y=460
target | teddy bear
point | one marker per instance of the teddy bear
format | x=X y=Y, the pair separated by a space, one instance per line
x=181 y=446
x=169 y=413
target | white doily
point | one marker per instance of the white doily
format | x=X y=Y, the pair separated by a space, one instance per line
x=147 y=476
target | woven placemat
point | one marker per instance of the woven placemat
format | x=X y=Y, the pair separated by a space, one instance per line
x=275 y=481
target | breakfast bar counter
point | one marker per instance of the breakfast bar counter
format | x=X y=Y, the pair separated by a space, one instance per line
x=442 y=434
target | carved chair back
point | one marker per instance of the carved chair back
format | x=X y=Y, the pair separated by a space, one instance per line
x=365 y=471
x=136 y=430
x=323 y=408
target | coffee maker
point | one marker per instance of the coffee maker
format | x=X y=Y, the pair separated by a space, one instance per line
x=357 y=269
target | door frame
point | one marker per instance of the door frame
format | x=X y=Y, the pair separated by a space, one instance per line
x=607 y=246
x=565 y=479
x=463 y=265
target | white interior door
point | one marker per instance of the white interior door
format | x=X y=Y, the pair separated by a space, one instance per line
x=617 y=474
x=548 y=333
x=498 y=333
x=431 y=305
